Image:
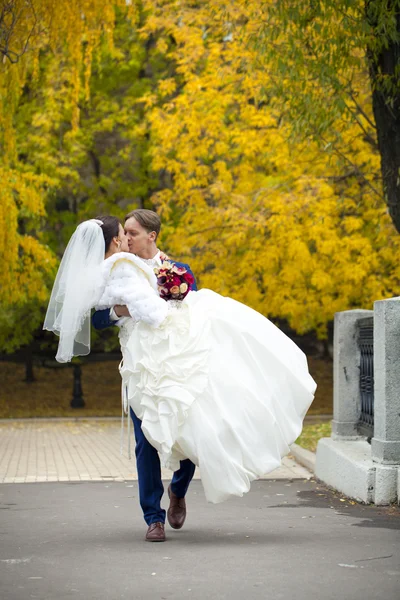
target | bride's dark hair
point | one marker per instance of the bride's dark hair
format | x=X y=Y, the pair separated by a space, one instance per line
x=110 y=228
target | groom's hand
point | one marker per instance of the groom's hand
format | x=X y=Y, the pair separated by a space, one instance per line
x=121 y=310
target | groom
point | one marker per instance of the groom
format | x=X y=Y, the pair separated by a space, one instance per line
x=141 y=229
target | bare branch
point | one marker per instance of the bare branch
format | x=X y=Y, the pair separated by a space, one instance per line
x=357 y=170
x=14 y=14
x=368 y=137
x=361 y=111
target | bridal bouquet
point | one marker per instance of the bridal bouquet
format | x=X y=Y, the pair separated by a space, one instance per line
x=173 y=282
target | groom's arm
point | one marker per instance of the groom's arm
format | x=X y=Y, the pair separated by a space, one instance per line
x=193 y=287
x=101 y=319
x=194 y=284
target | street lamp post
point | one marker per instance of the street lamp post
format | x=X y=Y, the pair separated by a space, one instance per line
x=77 y=394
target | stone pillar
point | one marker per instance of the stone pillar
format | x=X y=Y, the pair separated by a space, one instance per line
x=346 y=374
x=385 y=445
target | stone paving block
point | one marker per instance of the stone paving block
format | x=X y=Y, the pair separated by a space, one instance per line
x=49 y=450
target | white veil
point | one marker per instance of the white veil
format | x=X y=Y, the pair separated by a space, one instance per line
x=76 y=290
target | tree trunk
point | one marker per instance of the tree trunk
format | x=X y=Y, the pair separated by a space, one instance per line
x=386 y=107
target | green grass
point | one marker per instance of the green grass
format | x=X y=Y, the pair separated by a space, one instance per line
x=312 y=433
x=50 y=395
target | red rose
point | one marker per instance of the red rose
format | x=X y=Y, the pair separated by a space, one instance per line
x=188 y=277
x=176 y=280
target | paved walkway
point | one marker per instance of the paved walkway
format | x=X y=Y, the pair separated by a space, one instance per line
x=282 y=541
x=41 y=450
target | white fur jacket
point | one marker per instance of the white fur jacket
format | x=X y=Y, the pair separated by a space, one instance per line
x=129 y=281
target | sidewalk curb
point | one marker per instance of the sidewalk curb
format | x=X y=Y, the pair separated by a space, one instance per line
x=318 y=418
x=305 y=457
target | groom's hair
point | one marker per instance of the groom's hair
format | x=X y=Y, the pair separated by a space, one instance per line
x=148 y=219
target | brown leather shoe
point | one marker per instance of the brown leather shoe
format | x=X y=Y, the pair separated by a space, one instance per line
x=176 y=513
x=155 y=533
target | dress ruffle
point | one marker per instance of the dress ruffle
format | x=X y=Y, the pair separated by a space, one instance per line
x=164 y=371
x=219 y=384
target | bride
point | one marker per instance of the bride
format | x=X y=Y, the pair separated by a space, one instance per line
x=211 y=379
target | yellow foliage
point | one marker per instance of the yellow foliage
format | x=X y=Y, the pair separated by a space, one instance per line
x=297 y=230
x=293 y=231
x=26 y=264
x=72 y=30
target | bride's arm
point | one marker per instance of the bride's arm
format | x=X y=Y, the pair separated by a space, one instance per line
x=143 y=303
x=126 y=284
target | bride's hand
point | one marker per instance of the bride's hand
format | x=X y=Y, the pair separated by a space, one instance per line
x=121 y=311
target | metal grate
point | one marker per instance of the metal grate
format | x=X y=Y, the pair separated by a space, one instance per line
x=366 y=345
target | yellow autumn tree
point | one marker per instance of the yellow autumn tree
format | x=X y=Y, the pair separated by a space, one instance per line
x=71 y=30
x=181 y=94
x=296 y=229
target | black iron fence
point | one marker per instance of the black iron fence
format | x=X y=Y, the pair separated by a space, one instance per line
x=366 y=345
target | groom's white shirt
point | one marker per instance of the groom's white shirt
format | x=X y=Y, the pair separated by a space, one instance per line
x=152 y=262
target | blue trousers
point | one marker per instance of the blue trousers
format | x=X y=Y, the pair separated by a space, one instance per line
x=151 y=486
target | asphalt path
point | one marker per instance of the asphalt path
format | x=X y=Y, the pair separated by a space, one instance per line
x=291 y=540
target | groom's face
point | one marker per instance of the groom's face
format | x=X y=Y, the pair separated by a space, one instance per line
x=139 y=240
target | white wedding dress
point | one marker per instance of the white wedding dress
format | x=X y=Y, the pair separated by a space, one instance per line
x=211 y=379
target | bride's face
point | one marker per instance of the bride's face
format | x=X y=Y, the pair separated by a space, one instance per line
x=123 y=239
